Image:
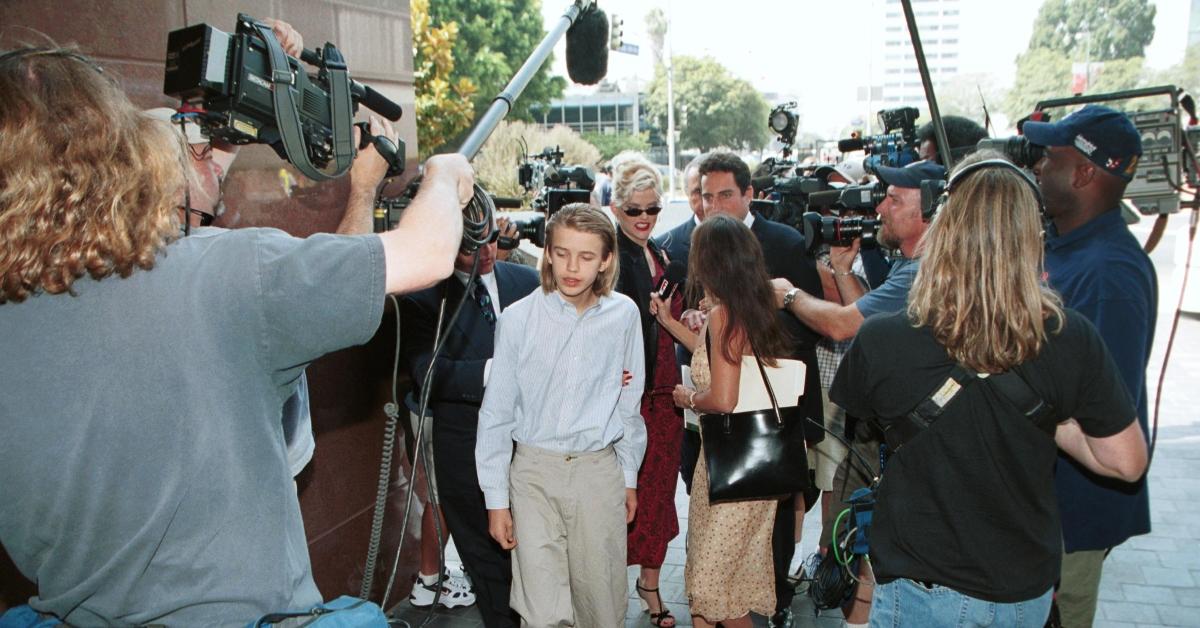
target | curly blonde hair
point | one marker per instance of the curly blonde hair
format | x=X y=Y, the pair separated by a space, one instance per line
x=632 y=172
x=88 y=184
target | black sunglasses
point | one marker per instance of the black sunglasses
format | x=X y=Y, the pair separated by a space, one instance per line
x=634 y=212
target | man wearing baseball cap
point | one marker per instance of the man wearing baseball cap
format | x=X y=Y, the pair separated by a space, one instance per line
x=1103 y=273
x=901 y=231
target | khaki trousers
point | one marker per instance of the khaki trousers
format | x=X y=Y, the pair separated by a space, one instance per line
x=569 y=521
x=1079 y=587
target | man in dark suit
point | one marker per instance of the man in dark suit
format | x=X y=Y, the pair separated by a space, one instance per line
x=678 y=240
x=460 y=375
x=726 y=189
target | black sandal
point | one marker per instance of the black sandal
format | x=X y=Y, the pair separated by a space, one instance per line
x=659 y=618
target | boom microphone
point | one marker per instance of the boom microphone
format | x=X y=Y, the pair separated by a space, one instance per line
x=675 y=275
x=587 y=47
x=850 y=145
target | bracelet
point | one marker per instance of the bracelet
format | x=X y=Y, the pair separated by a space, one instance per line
x=692 y=400
x=838 y=273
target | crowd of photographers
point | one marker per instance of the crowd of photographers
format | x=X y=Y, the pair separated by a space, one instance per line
x=980 y=345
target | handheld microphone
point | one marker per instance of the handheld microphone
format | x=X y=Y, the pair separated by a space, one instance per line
x=587 y=47
x=850 y=145
x=676 y=274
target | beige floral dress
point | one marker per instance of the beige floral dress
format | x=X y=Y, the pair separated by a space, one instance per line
x=729 y=569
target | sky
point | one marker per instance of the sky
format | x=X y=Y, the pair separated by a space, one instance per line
x=821 y=52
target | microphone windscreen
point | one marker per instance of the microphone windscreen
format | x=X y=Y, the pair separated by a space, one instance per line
x=587 y=47
x=850 y=145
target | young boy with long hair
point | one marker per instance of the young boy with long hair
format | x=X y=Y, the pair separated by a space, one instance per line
x=562 y=501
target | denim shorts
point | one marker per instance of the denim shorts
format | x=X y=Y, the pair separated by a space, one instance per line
x=907 y=603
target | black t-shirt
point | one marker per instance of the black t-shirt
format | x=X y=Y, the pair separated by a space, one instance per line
x=969 y=502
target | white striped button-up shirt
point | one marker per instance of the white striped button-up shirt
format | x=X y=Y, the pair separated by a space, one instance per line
x=555 y=384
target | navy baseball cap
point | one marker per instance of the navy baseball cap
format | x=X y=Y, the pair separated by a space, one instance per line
x=1105 y=136
x=912 y=175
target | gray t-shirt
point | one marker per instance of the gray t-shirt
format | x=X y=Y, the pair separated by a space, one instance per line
x=143 y=471
x=892 y=294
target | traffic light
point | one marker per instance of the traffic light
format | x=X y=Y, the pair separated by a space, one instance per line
x=614 y=32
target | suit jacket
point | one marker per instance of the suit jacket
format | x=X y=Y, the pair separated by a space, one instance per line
x=786 y=256
x=676 y=242
x=458 y=373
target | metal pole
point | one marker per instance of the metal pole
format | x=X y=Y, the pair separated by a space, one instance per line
x=502 y=104
x=939 y=131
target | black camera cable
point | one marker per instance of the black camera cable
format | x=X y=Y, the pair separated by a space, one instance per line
x=392 y=409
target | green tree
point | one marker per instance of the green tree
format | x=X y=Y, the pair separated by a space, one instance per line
x=443 y=105
x=712 y=107
x=1041 y=74
x=1185 y=74
x=1099 y=30
x=1114 y=32
x=495 y=37
x=610 y=145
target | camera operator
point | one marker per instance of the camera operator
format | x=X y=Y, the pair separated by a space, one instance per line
x=965 y=529
x=961 y=133
x=142 y=460
x=902 y=229
x=1101 y=271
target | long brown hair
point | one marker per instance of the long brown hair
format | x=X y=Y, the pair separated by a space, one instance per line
x=586 y=219
x=726 y=262
x=88 y=184
x=979 y=287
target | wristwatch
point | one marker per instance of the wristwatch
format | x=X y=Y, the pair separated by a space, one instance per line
x=790 y=297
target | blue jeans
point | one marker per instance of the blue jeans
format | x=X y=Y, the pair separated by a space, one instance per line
x=906 y=603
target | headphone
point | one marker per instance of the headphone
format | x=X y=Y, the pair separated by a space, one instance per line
x=935 y=193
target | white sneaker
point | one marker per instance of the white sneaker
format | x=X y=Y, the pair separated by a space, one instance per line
x=456 y=591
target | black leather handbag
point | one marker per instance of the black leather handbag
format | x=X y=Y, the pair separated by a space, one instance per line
x=755 y=455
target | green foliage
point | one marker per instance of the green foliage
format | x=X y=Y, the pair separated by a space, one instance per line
x=1101 y=30
x=610 y=145
x=497 y=161
x=712 y=107
x=1185 y=74
x=495 y=37
x=1041 y=74
x=443 y=105
x=1114 y=32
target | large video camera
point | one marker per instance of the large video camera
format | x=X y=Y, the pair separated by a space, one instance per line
x=838 y=230
x=553 y=185
x=895 y=147
x=250 y=92
x=1155 y=186
x=787 y=192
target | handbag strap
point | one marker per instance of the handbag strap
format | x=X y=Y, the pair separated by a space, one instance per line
x=762 y=371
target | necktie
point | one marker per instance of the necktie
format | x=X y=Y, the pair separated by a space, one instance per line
x=484 y=300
